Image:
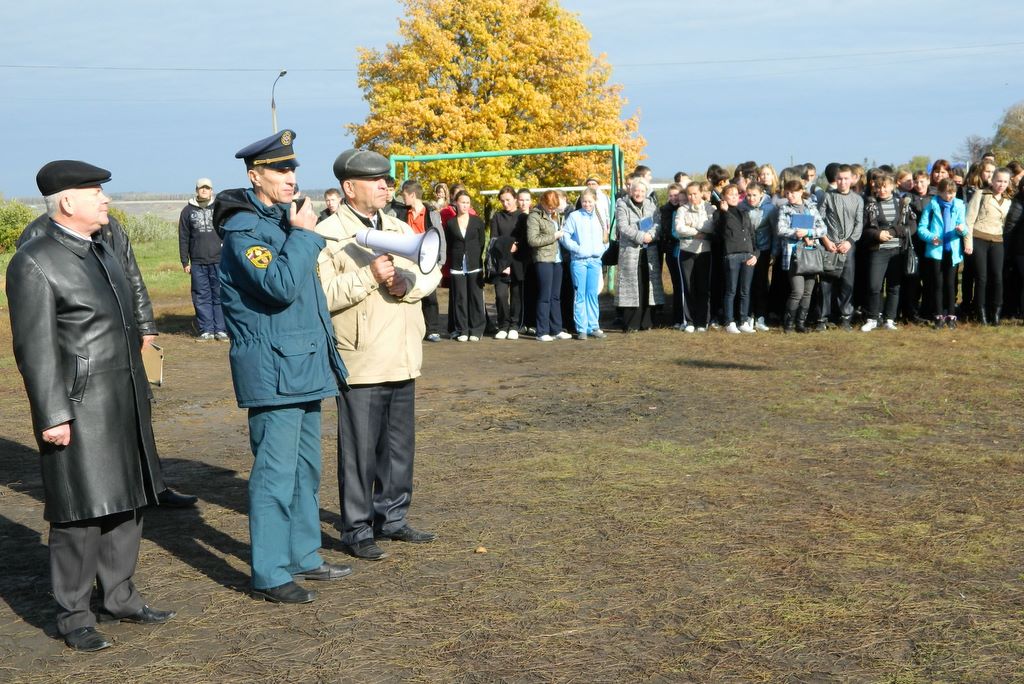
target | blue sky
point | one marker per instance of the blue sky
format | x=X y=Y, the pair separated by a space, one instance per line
x=806 y=80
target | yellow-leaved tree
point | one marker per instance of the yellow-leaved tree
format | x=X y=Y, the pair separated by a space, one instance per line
x=478 y=75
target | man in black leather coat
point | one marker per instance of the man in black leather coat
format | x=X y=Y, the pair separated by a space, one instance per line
x=76 y=343
x=116 y=240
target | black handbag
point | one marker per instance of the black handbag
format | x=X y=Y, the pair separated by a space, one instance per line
x=807 y=259
x=911 y=265
x=611 y=255
x=832 y=264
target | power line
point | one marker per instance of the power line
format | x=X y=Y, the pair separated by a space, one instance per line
x=229 y=70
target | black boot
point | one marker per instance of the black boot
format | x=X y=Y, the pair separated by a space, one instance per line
x=997 y=315
x=787 y=322
x=982 y=316
x=801 y=321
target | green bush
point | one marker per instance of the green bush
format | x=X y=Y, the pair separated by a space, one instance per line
x=145 y=227
x=14 y=216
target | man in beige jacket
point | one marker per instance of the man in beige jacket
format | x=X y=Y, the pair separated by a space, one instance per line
x=374 y=302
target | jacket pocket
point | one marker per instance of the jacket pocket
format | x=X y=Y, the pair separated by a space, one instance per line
x=77 y=392
x=301 y=363
x=350 y=327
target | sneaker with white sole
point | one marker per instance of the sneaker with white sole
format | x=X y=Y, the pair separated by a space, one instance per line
x=501 y=335
x=598 y=333
x=206 y=337
x=513 y=335
x=702 y=329
x=747 y=327
x=688 y=329
x=474 y=338
x=890 y=324
x=433 y=337
x=759 y=324
x=732 y=329
x=545 y=338
x=581 y=336
x=463 y=338
x=869 y=326
x=563 y=336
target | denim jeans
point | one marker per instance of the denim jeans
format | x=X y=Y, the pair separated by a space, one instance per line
x=586 y=278
x=549 y=298
x=206 y=297
x=738 y=277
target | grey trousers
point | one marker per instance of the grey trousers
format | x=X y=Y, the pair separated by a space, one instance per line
x=376 y=444
x=102 y=549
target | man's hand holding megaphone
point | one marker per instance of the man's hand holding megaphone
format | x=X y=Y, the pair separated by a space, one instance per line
x=383 y=270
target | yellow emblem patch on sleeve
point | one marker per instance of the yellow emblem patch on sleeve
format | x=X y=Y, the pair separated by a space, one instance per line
x=259 y=256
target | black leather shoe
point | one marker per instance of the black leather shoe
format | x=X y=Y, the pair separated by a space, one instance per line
x=173 y=499
x=86 y=639
x=408 y=534
x=286 y=593
x=326 y=572
x=144 y=616
x=366 y=549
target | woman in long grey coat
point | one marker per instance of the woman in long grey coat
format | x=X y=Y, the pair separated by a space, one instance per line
x=637 y=227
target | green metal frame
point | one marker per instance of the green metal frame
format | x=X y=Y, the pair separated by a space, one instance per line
x=615 y=150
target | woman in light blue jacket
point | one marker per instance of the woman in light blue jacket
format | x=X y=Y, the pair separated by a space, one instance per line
x=942 y=226
x=585 y=240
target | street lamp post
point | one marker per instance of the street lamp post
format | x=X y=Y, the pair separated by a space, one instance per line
x=273 y=105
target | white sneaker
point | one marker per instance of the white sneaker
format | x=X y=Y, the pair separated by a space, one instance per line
x=732 y=329
x=463 y=338
x=689 y=329
x=513 y=334
x=760 y=324
x=890 y=324
x=206 y=337
x=545 y=338
x=474 y=338
x=747 y=327
x=869 y=326
x=501 y=335
x=563 y=336
x=598 y=333
x=702 y=329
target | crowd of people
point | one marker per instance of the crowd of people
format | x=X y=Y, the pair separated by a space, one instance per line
x=745 y=251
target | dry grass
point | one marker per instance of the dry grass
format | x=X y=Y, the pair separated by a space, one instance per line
x=657 y=507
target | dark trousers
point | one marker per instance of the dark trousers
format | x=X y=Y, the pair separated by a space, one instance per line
x=376 y=446
x=549 y=298
x=968 y=296
x=502 y=304
x=468 y=297
x=738 y=276
x=942 y=284
x=759 y=284
x=103 y=550
x=431 y=314
x=695 y=270
x=778 y=289
x=913 y=286
x=530 y=297
x=801 y=287
x=839 y=288
x=884 y=265
x=717 y=281
x=672 y=263
x=206 y=297
x=988 y=276
x=516 y=292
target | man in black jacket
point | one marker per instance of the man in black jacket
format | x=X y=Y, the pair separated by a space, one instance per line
x=199 y=248
x=77 y=347
x=115 y=239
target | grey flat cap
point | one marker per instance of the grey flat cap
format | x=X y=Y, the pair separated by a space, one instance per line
x=361 y=164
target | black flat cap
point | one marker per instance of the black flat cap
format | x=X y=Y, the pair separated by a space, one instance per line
x=65 y=174
x=361 y=164
x=274 y=151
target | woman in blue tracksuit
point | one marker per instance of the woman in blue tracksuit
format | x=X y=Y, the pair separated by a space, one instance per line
x=942 y=226
x=585 y=240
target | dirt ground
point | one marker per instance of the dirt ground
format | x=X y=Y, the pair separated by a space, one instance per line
x=655 y=507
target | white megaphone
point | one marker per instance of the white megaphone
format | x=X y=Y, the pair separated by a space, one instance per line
x=424 y=249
